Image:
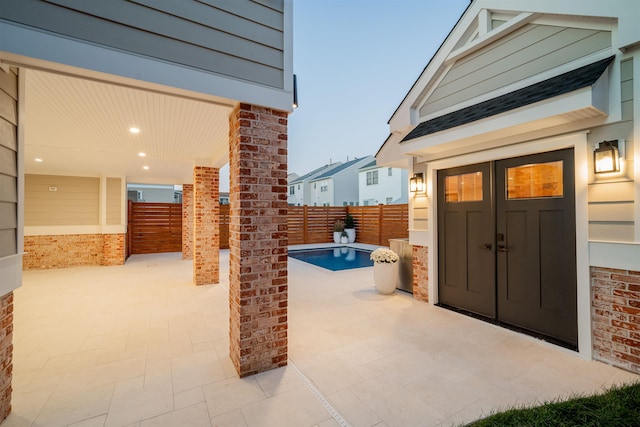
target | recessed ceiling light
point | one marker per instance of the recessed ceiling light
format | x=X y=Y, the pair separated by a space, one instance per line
x=134 y=130
x=145 y=168
x=39 y=160
x=141 y=154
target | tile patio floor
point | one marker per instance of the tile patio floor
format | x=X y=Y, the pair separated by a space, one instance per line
x=139 y=345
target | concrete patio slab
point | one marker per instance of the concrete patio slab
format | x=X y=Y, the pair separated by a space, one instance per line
x=140 y=345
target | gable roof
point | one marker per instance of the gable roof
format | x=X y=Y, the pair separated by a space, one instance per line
x=314 y=172
x=555 y=86
x=371 y=164
x=340 y=168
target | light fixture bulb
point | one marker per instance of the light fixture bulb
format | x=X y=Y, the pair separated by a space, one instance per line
x=145 y=168
x=141 y=154
x=134 y=130
x=39 y=160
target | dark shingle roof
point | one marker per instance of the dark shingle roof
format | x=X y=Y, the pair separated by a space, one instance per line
x=368 y=165
x=338 y=169
x=559 y=85
x=310 y=174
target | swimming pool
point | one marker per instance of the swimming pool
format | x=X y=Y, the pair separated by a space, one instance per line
x=334 y=259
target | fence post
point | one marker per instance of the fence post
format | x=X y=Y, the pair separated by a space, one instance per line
x=380 y=218
x=305 y=224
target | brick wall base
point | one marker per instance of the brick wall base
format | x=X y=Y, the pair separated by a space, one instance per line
x=6 y=353
x=73 y=250
x=615 y=317
x=420 y=273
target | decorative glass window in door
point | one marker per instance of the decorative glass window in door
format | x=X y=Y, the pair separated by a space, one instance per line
x=536 y=180
x=463 y=188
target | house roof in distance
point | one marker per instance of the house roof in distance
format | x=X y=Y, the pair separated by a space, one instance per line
x=340 y=168
x=314 y=172
x=555 y=86
x=373 y=163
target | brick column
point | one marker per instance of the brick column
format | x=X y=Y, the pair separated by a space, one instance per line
x=420 y=273
x=258 y=239
x=206 y=237
x=187 y=221
x=6 y=353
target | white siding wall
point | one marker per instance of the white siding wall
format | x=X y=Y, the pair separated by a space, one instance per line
x=393 y=187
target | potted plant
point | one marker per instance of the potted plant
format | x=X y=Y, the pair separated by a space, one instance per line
x=344 y=238
x=350 y=227
x=338 y=228
x=385 y=270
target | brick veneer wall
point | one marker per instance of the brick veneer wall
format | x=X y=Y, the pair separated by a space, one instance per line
x=73 y=250
x=187 y=221
x=6 y=353
x=258 y=239
x=420 y=273
x=206 y=220
x=615 y=314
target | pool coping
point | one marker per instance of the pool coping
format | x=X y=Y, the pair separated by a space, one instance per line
x=333 y=245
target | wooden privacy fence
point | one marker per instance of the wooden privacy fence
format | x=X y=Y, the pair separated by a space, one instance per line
x=154 y=227
x=157 y=227
x=375 y=225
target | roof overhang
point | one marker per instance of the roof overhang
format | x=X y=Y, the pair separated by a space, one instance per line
x=560 y=114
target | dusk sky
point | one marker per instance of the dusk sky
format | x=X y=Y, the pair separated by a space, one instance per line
x=355 y=61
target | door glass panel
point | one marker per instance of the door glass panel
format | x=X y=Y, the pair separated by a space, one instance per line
x=463 y=188
x=535 y=181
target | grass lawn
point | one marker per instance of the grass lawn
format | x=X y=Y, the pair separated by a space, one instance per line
x=619 y=406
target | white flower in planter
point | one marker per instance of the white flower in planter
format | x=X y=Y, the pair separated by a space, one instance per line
x=384 y=255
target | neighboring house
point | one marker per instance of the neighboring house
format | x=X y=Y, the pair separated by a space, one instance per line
x=99 y=94
x=504 y=126
x=382 y=185
x=299 y=188
x=337 y=186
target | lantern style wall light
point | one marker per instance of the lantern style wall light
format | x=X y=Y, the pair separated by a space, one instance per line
x=606 y=158
x=416 y=183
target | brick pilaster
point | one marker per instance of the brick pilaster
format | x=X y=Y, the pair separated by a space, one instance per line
x=258 y=239
x=113 y=249
x=6 y=353
x=420 y=273
x=206 y=221
x=615 y=317
x=187 y=221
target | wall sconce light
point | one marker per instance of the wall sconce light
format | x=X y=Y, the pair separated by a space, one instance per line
x=416 y=183
x=606 y=158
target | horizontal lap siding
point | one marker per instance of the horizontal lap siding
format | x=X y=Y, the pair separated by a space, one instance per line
x=612 y=203
x=76 y=200
x=8 y=162
x=241 y=38
x=156 y=228
x=529 y=51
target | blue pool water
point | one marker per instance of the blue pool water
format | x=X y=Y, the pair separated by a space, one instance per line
x=334 y=259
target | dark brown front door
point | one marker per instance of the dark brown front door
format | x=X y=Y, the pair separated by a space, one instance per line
x=466 y=262
x=506 y=243
x=536 y=258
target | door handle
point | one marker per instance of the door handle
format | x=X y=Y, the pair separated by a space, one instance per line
x=487 y=246
x=502 y=248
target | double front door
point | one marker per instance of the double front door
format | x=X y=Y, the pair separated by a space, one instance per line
x=506 y=243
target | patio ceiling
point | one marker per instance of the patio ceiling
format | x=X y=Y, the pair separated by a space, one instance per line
x=81 y=127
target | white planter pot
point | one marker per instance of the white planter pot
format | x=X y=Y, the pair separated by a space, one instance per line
x=344 y=239
x=336 y=236
x=351 y=233
x=385 y=276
